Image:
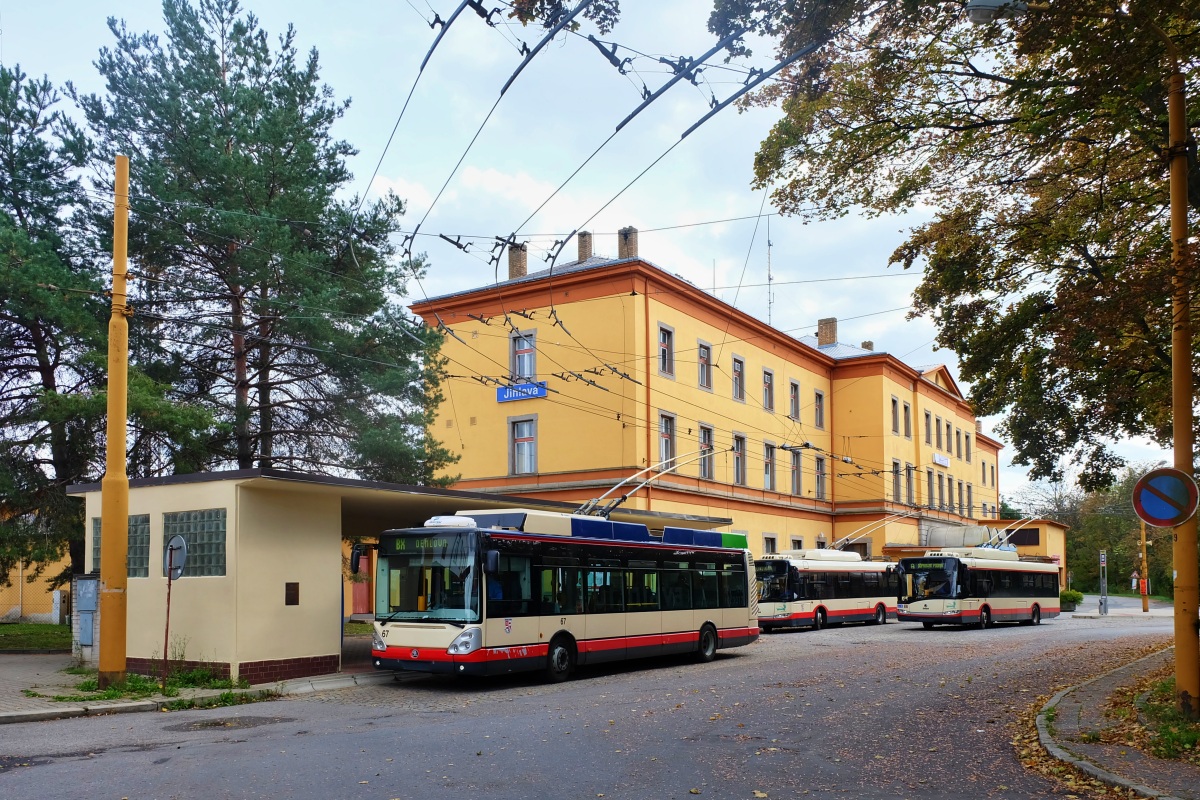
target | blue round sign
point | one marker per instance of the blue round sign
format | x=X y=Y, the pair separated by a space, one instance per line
x=1165 y=497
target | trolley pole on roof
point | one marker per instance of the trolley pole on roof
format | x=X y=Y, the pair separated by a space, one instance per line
x=114 y=488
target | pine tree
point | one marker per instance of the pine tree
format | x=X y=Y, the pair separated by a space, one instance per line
x=262 y=296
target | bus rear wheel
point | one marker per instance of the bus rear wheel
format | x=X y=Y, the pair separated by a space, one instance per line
x=927 y=625
x=880 y=616
x=560 y=659
x=707 y=649
x=1035 y=617
x=819 y=619
x=985 y=618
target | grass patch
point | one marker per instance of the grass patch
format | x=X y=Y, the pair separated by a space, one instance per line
x=222 y=699
x=357 y=629
x=34 y=636
x=138 y=687
x=1171 y=734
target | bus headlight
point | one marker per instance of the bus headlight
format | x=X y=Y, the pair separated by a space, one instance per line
x=466 y=642
x=377 y=640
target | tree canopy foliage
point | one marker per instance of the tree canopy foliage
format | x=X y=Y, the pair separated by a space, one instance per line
x=1036 y=148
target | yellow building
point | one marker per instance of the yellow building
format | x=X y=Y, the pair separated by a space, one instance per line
x=565 y=382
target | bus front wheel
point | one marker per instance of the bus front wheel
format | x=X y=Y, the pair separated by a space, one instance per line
x=985 y=618
x=819 y=619
x=707 y=650
x=560 y=659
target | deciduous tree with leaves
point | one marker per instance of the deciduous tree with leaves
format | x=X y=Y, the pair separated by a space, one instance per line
x=261 y=295
x=1038 y=143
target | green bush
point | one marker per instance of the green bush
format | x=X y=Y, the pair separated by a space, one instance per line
x=1070 y=596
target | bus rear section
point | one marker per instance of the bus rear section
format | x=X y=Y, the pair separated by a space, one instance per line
x=976 y=586
x=815 y=588
x=501 y=592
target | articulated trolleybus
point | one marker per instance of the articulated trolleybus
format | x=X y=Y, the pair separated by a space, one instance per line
x=813 y=588
x=490 y=592
x=976 y=586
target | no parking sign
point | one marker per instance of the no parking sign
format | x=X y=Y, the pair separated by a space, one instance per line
x=1165 y=497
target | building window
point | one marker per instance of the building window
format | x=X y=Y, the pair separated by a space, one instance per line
x=706 y=444
x=949 y=441
x=929 y=499
x=819 y=476
x=769 y=546
x=970 y=501
x=895 y=415
x=938 y=424
x=769 y=467
x=768 y=390
x=993 y=476
x=666 y=440
x=794 y=400
x=522 y=446
x=983 y=477
x=704 y=361
x=666 y=350
x=961 y=504
x=928 y=428
x=895 y=481
x=797 y=472
x=137 y=554
x=949 y=493
x=941 y=496
x=970 y=436
x=958 y=443
x=910 y=491
x=819 y=408
x=524 y=356
x=204 y=532
x=739 y=379
x=907 y=421
x=739 y=460
x=797 y=542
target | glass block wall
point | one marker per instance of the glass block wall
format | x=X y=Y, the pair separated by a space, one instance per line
x=204 y=532
x=137 y=559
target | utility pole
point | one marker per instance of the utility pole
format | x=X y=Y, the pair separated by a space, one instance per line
x=1145 y=574
x=114 y=488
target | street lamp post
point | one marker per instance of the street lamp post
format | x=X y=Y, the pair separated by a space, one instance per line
x=1187 y=590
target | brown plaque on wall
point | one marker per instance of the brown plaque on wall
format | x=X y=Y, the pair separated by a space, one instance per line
x=291 y=594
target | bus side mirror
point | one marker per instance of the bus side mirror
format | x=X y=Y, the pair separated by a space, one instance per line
x=356 y=552
x=491 y=563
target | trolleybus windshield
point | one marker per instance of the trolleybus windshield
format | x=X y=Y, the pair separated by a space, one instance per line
x=773 y=581
x=925 y=578
x=427 y=576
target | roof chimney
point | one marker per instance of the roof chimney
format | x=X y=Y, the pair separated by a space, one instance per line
x=518 y=259
x=826 y=331
x=585 y=245
x=627 y=246
x=868 y=345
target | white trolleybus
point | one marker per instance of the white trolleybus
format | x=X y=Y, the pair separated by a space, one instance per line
x=815 y=588
x=489 y=592
x=976 y=586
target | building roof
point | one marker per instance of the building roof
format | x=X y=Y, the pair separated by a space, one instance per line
x=839 y=350
x=570 y=267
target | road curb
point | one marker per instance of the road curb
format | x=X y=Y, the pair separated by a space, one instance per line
x=203 y=698
x=1082 y=764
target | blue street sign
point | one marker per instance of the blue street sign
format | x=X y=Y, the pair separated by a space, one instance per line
x=1165 y=497
x=520 y=391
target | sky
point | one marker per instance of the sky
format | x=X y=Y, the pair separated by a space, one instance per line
x=697 y=213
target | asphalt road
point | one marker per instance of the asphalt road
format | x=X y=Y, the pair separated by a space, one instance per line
x=851 y=712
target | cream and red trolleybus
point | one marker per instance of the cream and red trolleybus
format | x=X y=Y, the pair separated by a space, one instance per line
x=976 y=586
x=815 y=588
x=490 y=592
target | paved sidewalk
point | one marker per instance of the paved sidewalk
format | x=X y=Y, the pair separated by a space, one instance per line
x=30 y=682
x=1078 y=714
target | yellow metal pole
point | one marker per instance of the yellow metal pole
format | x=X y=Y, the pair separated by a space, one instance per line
x=1145 y=574
x=1187 y=592
x=114 y=488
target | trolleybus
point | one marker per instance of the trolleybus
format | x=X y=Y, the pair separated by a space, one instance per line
x=489 y=592
x=976 y=586
x=813 y=588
